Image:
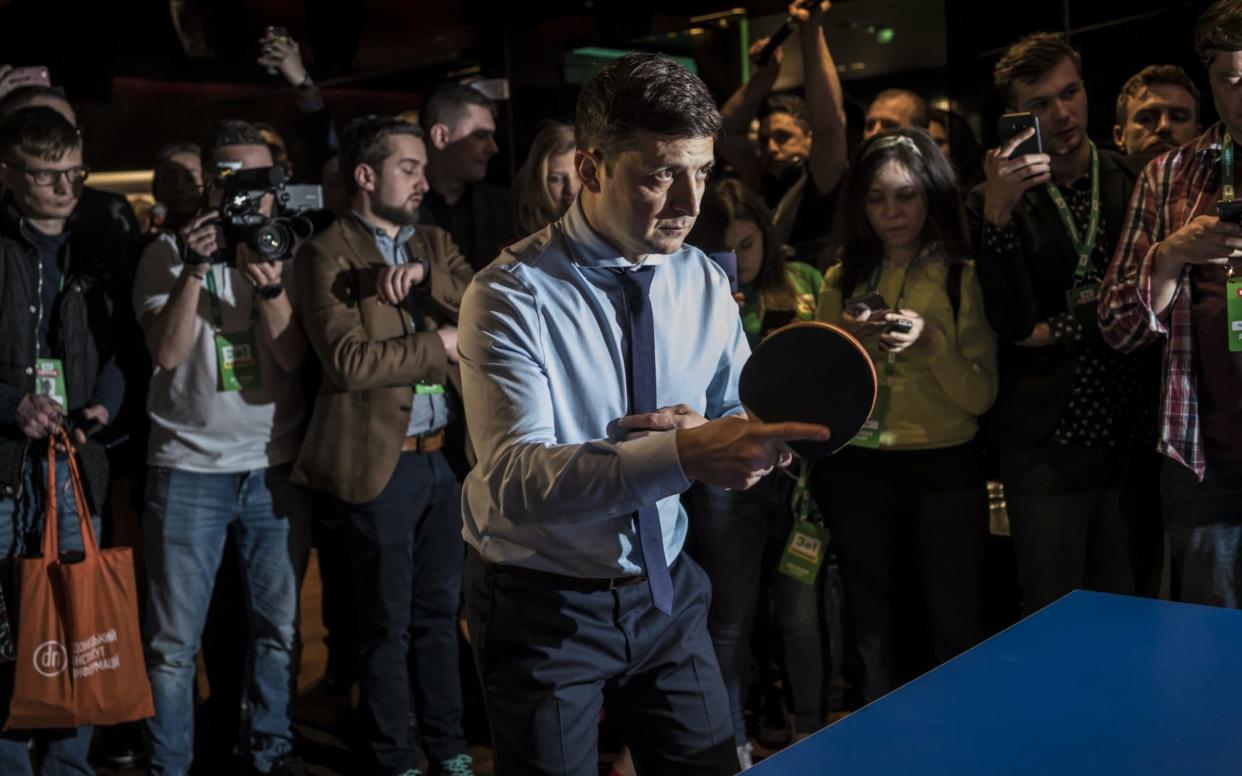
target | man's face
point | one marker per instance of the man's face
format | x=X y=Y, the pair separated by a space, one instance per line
x=181 y=182
x=401 y=181
x=888 y=113
x=250 y=156
x=470 y=145
x=1159 y=118
x=53 y=201
x=1059 y=101
x=1225 y=78
x=650 y=194
x=781 y=140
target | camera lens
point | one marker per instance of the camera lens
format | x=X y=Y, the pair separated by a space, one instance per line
x=272 y=240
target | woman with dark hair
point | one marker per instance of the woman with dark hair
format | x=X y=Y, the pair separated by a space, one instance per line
x=737 y=536
x=771 y=290
x=546 y=184
x=906 y=501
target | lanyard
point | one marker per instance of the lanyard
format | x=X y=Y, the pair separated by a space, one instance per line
x=64 y=272
x=890 y=363
x=1086 y=244
x=217 y=314
x=1226 y=167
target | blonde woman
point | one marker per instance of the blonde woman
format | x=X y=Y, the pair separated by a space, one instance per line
x=547 y=184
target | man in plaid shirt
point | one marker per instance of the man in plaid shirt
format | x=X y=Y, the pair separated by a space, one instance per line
x=1168 y=279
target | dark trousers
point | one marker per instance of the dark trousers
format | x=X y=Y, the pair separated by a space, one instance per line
x=1075 y=515
x=1205 y=533
x=735 y=534
x=549 y=653
x=406 y=555
x=909 y=528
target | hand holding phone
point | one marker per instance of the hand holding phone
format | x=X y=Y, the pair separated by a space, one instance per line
x=1017 y=165
x=1013 y=124
x=872 y=302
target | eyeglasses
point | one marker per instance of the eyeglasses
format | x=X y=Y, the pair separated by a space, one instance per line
x=74 y=175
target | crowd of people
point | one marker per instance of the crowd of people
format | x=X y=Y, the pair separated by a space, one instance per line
x=511 y=417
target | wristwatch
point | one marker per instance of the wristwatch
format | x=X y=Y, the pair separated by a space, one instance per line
x=306 y=82
x=268 y=293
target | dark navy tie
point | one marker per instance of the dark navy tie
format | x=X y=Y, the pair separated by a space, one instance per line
x=642 y=395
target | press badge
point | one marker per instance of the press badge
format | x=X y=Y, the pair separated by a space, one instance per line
x=1233 y=293
x=1078 y=296
x=237 y=357
x=804 y=552
x=869 y=435
x=50 y=380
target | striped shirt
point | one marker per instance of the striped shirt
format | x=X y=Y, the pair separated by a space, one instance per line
x=1175 y=188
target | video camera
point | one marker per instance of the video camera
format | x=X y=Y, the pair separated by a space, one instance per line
x=273 y=238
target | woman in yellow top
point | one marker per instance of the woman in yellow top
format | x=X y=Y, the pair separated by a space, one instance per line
x=906 y=502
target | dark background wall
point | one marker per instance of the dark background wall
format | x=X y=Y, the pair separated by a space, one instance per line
x=144 y=72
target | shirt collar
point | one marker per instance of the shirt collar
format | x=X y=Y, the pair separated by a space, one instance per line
x=588 y=247
x=404 y=232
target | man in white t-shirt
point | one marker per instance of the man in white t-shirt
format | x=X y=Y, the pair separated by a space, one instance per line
x=225 y=408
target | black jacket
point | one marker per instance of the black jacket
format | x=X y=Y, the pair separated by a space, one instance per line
x=482 y=224
x=82 y=326
x=1029 y=287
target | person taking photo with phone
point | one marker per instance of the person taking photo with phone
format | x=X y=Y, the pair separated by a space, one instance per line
x=1172 y=280
x=906 y=501
x=1074 y=421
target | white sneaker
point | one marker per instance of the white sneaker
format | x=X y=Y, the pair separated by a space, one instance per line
x=745 y=756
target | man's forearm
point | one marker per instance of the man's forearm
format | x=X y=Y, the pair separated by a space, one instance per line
x=1166 y=273
x=737 y=113
x=171 y=333
x=825 y=101
x=283 y=332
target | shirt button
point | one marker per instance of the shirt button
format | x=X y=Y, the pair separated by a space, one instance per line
x=29 y=371
x=33 y=309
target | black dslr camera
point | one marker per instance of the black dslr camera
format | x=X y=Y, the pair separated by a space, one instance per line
x=273 y=238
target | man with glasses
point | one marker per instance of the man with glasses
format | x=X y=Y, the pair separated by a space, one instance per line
x=56 y=362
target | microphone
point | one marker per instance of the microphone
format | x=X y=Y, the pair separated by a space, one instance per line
x=765 y=54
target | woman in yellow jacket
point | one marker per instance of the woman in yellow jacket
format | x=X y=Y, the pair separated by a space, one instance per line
x=906 y=501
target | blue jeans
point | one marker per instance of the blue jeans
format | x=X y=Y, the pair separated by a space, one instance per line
x=63 y=751
x=1204 y=523
x=187 y=519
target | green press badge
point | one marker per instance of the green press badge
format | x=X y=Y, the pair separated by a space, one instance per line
x=869 y=435
x=237 y=357
x=50 y=380
x=804 y=552
x=1080 y=295
x=1233 y=295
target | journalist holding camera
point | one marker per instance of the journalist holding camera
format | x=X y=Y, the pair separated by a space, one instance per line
x=225 y=407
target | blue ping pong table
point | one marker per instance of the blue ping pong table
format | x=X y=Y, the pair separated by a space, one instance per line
x=1093 y=684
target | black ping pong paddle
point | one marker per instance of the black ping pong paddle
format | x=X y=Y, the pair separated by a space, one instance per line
x=811 y=372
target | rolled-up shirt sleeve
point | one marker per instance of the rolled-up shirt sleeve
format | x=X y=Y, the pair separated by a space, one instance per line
x=530 y=475
x=1127 y=319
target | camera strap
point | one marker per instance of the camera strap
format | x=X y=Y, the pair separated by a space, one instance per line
x=237 y=353
x=1226 y=167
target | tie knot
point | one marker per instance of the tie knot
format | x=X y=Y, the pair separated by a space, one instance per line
x=636 y=283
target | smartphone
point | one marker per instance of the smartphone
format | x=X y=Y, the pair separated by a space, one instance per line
x=728 y=262
x=900 y=326
x=36 y=75
x=1013 y=124
x=857 y=305
x=280 y=33
x=1230 y=211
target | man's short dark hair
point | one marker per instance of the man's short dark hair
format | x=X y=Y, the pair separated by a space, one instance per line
x=448 y=104
x=24 y=96
x=1219 y=29
x=643 y=93
x=792 y=104
x=1030 y=58
x=1154 y=75
x=167 y=152
x=232 y=132
x=918 y=117
x=365 y=141
x=37 y=131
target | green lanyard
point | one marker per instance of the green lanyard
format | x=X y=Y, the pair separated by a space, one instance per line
x=1086 y=245
x=1226 y=167
x=64 y=272
x=217 y=314
x=890 y=363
